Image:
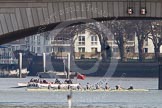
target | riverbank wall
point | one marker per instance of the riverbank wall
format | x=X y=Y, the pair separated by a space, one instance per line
x=98 y=68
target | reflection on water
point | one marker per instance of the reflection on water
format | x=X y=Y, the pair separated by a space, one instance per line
x=11 y=96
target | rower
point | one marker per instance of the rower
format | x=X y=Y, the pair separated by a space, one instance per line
x=79 y=86
x=87 y=86
x=107 y=86
x=59 y=87
x=118 y=87
x=68 y=81
x=69 y=87
x=97 y=86
x=57 y=81
x=130 y=88
x=45 y=82
x=31 y=80
x=49 y=86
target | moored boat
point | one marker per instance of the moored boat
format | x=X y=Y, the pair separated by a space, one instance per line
x=22 y=84
x=51 y=74
x=13 y=73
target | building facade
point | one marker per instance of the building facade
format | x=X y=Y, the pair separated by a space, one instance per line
x=84 y=44
x=46 y=43
x=39 y=43
x=7 y=55
x=87 y=45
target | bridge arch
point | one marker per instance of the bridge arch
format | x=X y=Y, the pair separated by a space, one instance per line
x=22 y=33
x=24 y=18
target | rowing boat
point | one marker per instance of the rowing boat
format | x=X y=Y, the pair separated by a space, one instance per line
x=95 y=90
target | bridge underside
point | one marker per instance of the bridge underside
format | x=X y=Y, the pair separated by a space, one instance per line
x=15 y=35
x=21 y=18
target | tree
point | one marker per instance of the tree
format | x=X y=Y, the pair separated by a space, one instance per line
x=156 y=36
x=121 y=31
x=67 y=34
x=102 y=32
x=142 y=29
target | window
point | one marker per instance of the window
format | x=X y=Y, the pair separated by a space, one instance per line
x=93 y=40
x=82 y=49
x=94 y=50
x=47 y=37
x=33 y=49
x=146 y=42
x=61 y=49
x=128 y=50
x=82 y=32
x=47 y=49
x=17 y=47
x=145 y=50
x=53 y=49
x=81 y=40
x=13 y=48
x=115 y=50
x=38 y=40
x=38 y=50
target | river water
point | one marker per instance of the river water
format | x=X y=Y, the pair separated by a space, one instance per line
x=10 y=96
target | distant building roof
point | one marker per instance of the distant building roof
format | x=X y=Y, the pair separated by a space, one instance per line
x=21 y=41
x=3 y=46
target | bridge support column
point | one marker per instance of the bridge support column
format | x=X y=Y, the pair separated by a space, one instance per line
x=44 y=62
x=20 y=64
x=68 y=72
x=160 y=77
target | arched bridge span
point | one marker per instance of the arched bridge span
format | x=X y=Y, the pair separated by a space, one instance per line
x=21 y=18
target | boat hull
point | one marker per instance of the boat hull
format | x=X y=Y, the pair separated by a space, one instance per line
x=22 y=84
x=56 y=75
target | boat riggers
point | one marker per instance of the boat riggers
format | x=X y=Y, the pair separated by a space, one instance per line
x=32 y=86
x=84 y=90
x=52 y=86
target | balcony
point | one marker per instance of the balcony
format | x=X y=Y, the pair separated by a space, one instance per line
x=81 y=43
x=61 y=43
x=129 y=43
x=8 y=61
x=94 y=43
